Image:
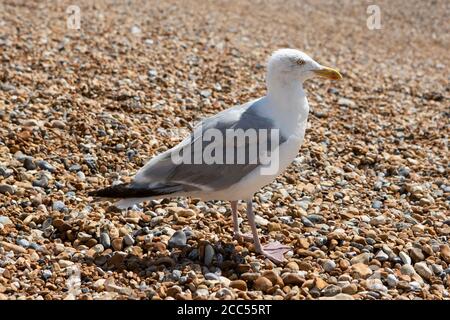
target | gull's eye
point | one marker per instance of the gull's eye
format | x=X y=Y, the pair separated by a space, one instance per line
x=300 y=62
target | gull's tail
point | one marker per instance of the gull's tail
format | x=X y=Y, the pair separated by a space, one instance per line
x=131 y=193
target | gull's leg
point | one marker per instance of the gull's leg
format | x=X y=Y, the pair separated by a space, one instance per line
x=274 y=251
x=236 y=230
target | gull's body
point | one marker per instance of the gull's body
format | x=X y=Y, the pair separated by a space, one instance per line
x=284 y=108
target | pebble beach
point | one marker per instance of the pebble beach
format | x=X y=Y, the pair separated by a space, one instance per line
x=365 y=206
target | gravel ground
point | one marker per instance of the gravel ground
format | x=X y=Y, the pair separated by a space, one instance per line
x=365 y=206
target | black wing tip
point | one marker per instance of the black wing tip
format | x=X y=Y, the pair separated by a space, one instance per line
x=116 y=191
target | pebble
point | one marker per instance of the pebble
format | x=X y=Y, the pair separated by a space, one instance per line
x=6 y=188
x=407 y=269
x=117 y=243
x=23 y=243
x=59 y=206
x=404 y=257
x=128 y=240
x=209 y=254
x=44 y=165
x=361 y=270
x=5 y=221
x=262 y=284
x=377 y=221
x=361 y=258
x=240 y=285
x=416 y=254
x=391 y=280
x=178 y=240
x=381 y=256
x=377 y=204
x=375 y=285
x=260 y=221
x=423 y=270
x=329 y=265
x=46 y=274
x=212 y=276
x=29 y=164
x=331 y=290
x=105 y=240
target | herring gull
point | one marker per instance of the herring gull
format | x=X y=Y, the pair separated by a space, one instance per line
x=284 y=110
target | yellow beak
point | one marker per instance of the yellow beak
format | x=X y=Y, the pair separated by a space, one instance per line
x=328 y=73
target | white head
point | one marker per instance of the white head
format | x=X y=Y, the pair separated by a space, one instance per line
x=288 y=66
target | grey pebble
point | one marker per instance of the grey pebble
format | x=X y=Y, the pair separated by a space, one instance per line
x=23 y=243
x=44 y=165
x=209 y=254
x=105 y=240
x=178 y=240
x=59 y=206
x=128 y=240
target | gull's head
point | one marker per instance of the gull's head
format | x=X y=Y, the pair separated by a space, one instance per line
x=288 y=65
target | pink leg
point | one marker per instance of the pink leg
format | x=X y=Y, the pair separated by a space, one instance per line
x=274 y=251
x=238 y=235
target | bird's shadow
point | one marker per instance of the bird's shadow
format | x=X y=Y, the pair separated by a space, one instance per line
x=226 y=258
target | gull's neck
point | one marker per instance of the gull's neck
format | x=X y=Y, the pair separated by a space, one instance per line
x=288 y=100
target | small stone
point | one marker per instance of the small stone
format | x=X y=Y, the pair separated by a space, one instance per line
x=29 y=164
x=178 y=240
x=273 y=277
x=46 y=274
x=407 y=269
x=445 y=253
x=260 y=221
x=205 y=93
x=350 y=289
x=294 y=266
x=331 y=290
x=292 y=279
x=5 y=221
x=340 y=296
x=128 y=240
x=44 y=165
x=105 y=240
x=65 y=263
x=274 y=227
x=23 y=243
x=361 y=270
x=392 y=280
x=83 y=236
x=117 y=244
x=135 y=30
x=59 y=206
x=377 y=205
x=315 y=218
x=42 y=182
x=423 y=270
x=381 y=256
x=209 y=254
x=329 y=265
x=416 y=254
x=239 y=284
x=346 y=102
x=375 y=285
x=262 y=284
x=361 y=258
x=377 y=221
x=212 y=276
x=6 y=188
x=404 y=257
x=415 y=286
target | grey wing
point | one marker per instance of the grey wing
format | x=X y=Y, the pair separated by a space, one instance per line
x=198 y=175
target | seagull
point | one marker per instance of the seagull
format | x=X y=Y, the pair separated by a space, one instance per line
x=283 y=110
